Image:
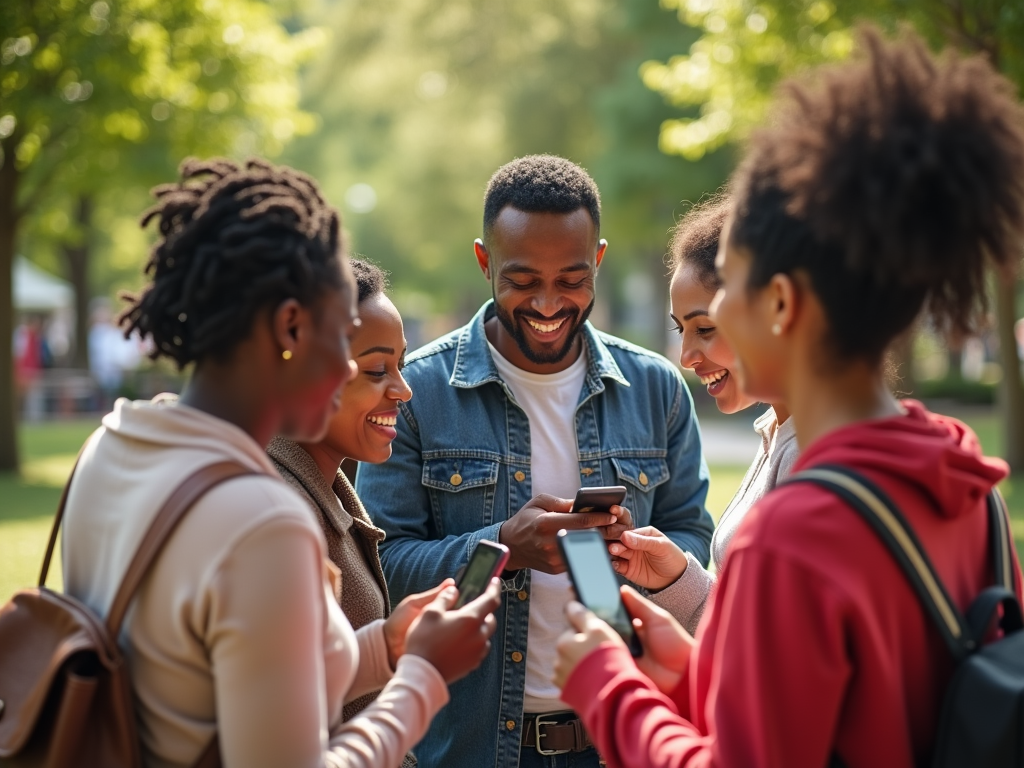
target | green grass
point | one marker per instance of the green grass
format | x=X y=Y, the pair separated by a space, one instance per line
x=27 y=503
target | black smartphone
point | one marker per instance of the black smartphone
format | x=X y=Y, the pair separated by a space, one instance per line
x=598 y=499
x=488 y=561
x=585 y=553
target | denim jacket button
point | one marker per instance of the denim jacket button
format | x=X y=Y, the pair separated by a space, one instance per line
x=456 y=479
x=520 y=476
x=586 y=471
x=521 y=594
x=517 y=656
x=643 y=478
x=510 y=725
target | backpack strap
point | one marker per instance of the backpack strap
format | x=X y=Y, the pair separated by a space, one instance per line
x=878 y=510
x=999 y=536
x=171 y=513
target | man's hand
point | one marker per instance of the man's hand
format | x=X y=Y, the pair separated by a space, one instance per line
x=647 y=557
x=396 y=626
x=530 y=533
x=586 y=634
x=667 y=645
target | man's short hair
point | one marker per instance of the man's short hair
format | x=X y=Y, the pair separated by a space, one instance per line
x=541 y=184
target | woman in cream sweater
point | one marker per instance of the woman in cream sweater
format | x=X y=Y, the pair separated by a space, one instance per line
x=235 y=633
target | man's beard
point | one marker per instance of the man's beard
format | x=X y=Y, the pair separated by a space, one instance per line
x=515 y=330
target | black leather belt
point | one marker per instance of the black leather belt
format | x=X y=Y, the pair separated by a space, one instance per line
x=555 y=734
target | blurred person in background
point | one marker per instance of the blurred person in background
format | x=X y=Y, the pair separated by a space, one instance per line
x=884 y=187
x=512 y=414
x=646 y=556
x=111 y=355
x=361 y=430
x=235 y=640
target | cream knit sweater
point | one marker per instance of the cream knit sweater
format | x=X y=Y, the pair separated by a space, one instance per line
x=236 y=629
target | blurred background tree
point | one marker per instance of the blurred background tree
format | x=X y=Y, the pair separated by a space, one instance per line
x=98 y=101
x=422 y=102
x=404 y=113
x=744 y=48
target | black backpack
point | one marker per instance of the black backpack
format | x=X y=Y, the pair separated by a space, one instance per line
x=981 y=724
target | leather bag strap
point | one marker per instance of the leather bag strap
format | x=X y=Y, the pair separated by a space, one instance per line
x=166 y=520
x=57 y=520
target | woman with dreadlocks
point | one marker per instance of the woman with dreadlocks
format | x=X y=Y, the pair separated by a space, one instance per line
x=235 y=637
x=884 y=188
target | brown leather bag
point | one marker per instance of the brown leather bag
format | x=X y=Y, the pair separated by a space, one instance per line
x=65 y=695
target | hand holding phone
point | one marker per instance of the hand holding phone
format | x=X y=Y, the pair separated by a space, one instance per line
x=590 y=570
x=487 y=561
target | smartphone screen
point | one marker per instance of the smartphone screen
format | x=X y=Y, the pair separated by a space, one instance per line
x=487 y=560
x=599 y=499
x=590 y=569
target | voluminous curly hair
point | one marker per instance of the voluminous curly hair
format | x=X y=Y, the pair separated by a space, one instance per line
x=695 y=238
x=541 y=184
x=234 y=239
x=370 y=279
x=891 y=181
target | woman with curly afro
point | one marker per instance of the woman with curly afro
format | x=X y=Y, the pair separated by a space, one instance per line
x=884 y=187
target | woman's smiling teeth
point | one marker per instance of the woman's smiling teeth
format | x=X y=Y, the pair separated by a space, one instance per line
x=711 y=378
x=383 y=421
x=545 y=327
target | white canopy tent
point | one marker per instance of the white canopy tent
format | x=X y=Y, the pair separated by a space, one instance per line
x=36 y=290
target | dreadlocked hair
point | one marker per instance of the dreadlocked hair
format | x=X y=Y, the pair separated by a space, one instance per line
x=891 y=181
x=695 y=239
x=234 y=239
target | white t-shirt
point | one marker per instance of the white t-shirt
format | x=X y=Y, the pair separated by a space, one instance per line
x=549 y=401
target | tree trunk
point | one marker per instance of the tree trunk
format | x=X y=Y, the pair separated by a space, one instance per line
x=8 y=236
x=77 y=257
x=1011 y=390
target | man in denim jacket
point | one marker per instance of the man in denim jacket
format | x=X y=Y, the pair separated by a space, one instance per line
x=511 y=414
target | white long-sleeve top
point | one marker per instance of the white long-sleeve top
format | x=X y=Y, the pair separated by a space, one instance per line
x=687 y=596
x=235 y=630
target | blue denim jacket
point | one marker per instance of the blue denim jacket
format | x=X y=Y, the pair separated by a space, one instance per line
x=461 y=467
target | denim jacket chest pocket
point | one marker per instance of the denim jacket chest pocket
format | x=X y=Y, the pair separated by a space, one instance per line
x=462 y=491
x=641 y=475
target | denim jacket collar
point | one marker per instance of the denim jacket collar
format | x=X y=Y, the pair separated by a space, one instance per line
x=474 y=365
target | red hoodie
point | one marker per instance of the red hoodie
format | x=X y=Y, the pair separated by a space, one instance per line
x=814 y=642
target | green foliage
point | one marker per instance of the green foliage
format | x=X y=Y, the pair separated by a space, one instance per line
x=746 y=47
x=105 y=98
x=421 y=102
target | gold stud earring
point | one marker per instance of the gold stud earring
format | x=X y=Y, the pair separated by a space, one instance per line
x=776 y=330
x=286 y=355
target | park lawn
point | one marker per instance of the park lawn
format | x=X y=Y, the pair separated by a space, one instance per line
x=27 y=503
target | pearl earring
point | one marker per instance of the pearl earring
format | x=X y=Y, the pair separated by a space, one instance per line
x=286 y=355
x=776 y=330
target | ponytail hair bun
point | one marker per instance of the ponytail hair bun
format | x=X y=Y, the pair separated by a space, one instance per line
x=893 y=181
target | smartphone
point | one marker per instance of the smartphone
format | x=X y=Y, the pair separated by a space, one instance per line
x=488 y=561
x=585 y=553
x=598 y=499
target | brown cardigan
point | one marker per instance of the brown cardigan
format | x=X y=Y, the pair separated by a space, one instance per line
x=351 y=539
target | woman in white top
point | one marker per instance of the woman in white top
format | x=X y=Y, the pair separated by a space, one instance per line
x=235 y=633
x=646 y=556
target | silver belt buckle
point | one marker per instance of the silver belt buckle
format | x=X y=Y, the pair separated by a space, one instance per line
x=546 y=752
